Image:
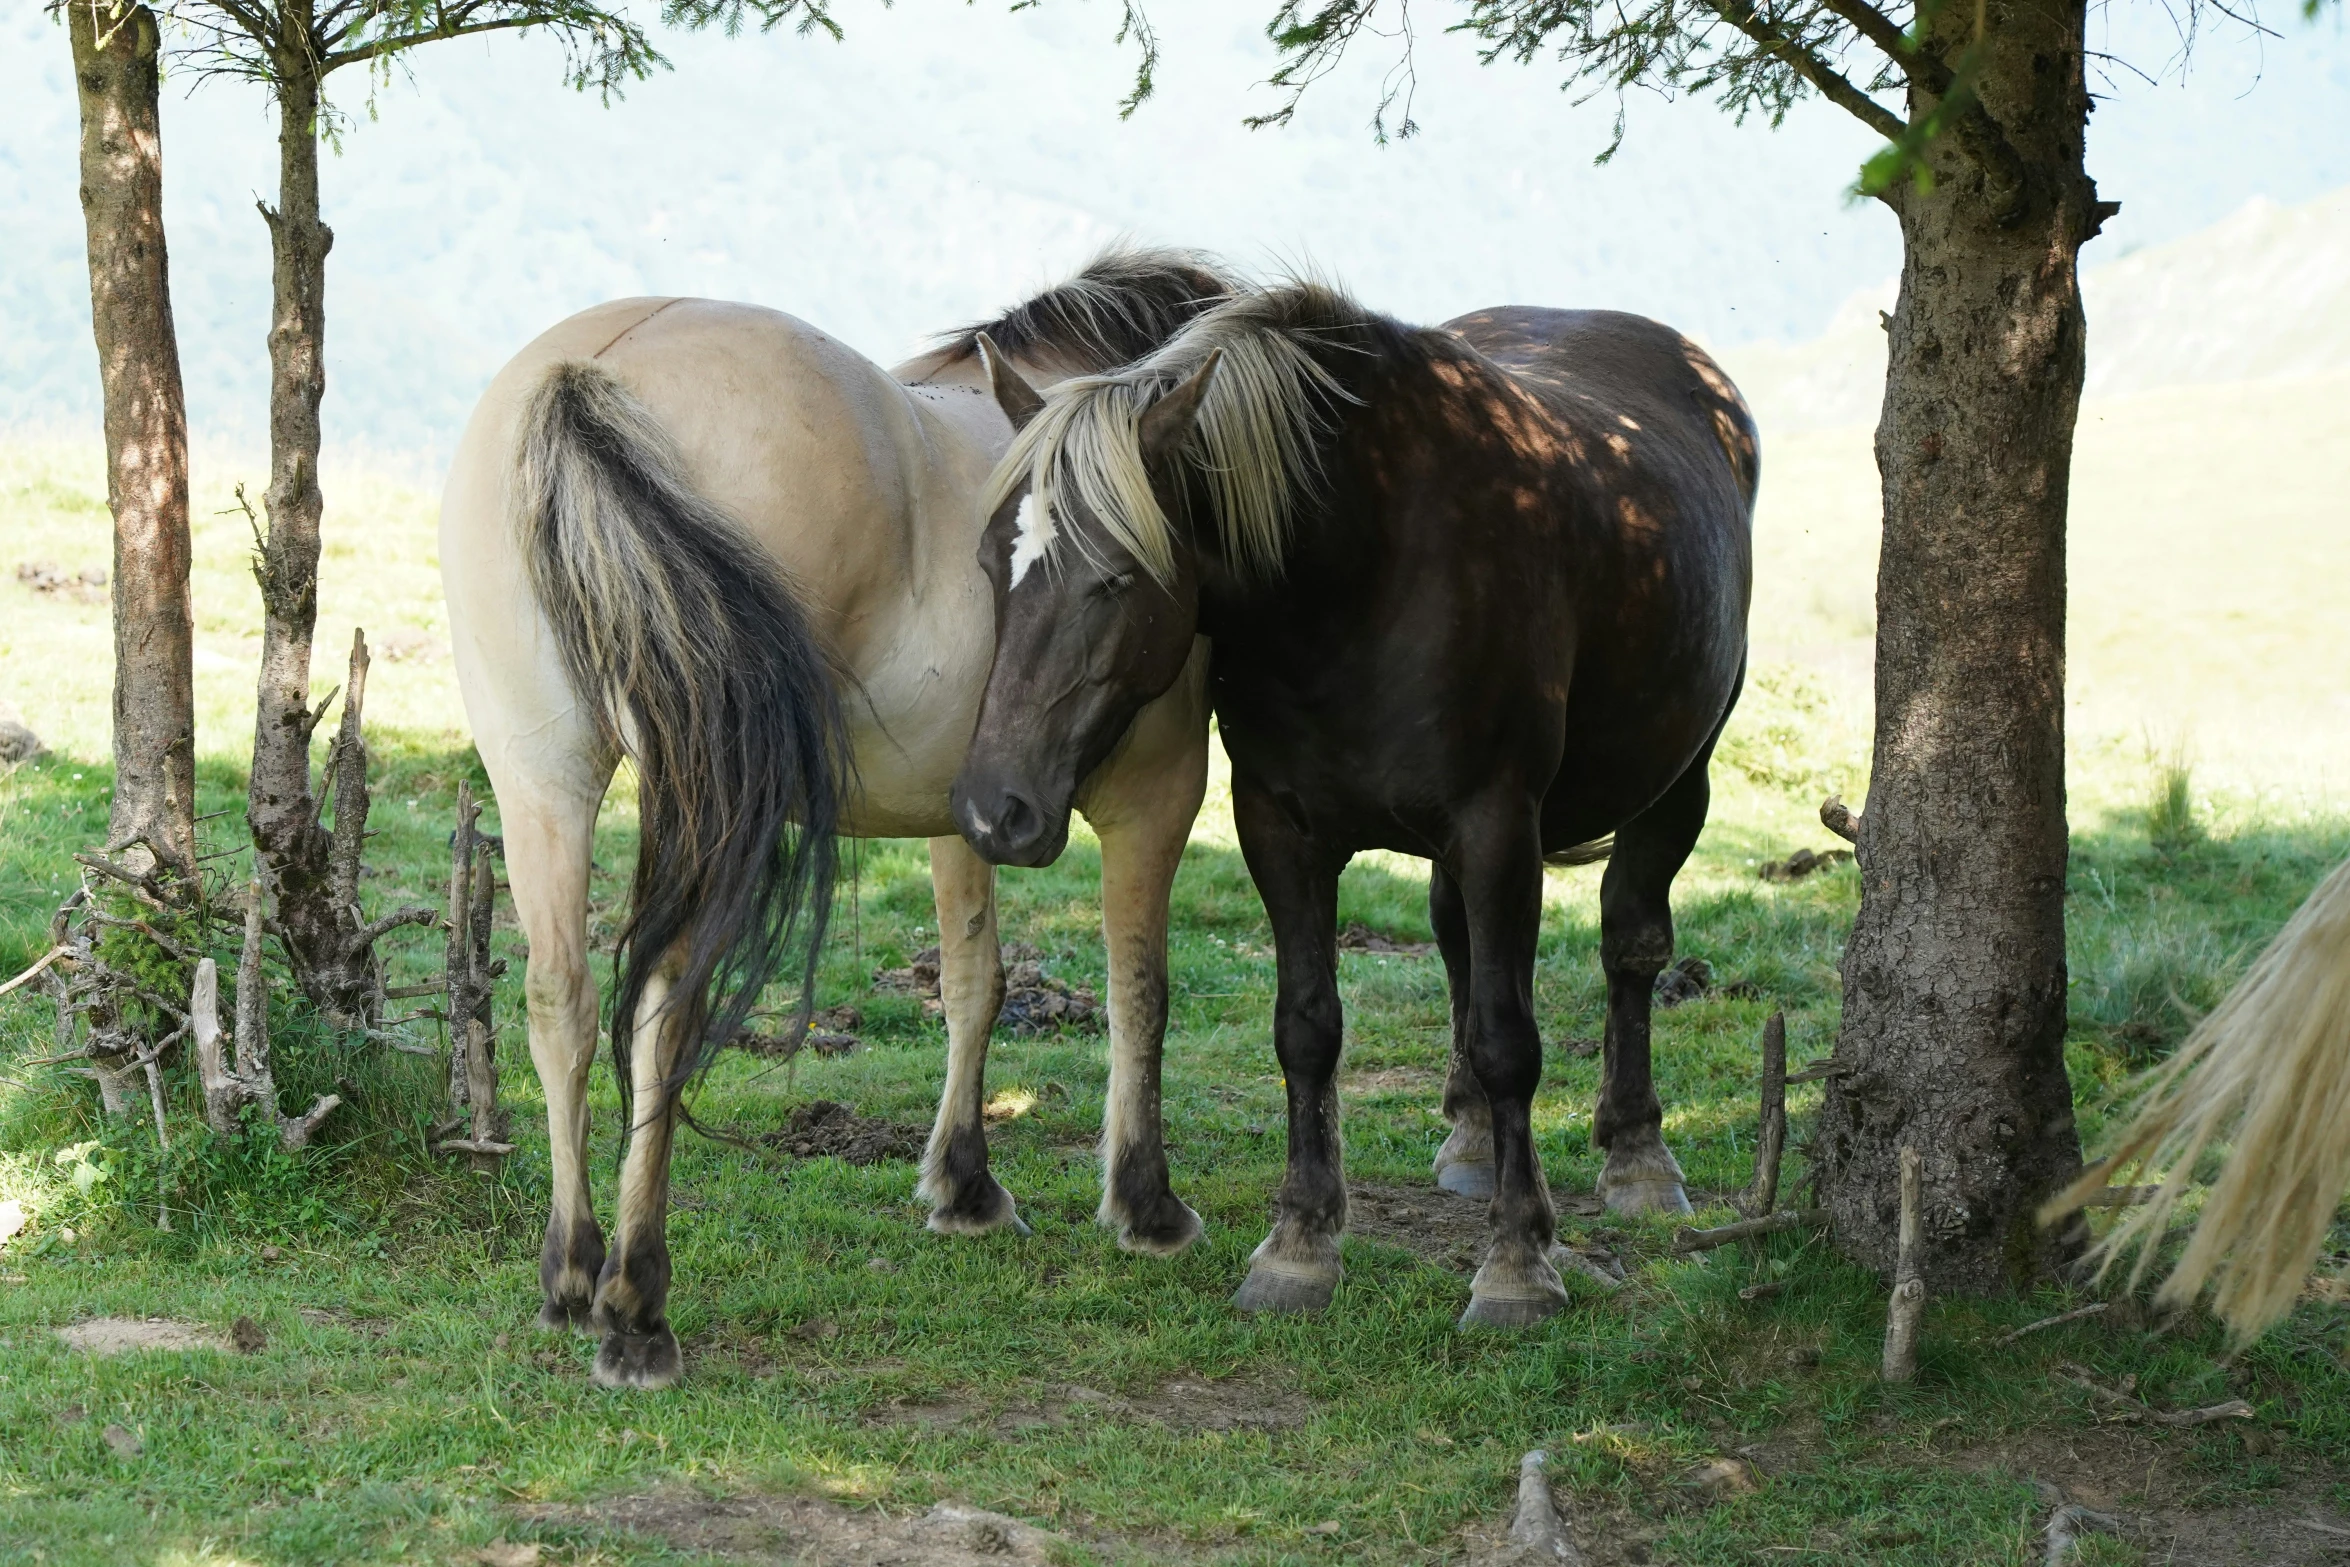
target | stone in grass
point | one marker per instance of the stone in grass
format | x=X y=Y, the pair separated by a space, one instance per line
x=18 y=743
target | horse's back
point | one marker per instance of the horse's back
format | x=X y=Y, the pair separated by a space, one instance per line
x=810 y=445
x=1603 y=367
x=853 y=483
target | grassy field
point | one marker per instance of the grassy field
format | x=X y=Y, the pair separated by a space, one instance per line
x=846 y=1369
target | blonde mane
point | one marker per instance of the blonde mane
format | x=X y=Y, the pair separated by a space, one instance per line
x=1255 y=449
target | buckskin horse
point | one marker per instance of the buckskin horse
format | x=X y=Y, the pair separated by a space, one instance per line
x=1476 y=594
x=710 y=538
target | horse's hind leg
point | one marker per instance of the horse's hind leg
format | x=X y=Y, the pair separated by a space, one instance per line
x=550 y=834
x=1465 y=1163
x=632 y=1297
x=965 y=1199
x=1635 y=943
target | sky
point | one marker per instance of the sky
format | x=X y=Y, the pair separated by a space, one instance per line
x=948 y=158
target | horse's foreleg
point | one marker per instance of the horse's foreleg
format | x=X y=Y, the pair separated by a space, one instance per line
x=1498 y=868
x=1141 y=805
x=1640 y=1174
x=1465 y=1163
x=632 y=1297
x=1297 y=1267
x=965 y=1198
x=548 y=842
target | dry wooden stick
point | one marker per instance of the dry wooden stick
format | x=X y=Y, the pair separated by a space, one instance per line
x=1538 y=1532
x=2059 y=1320
x=1686 y=1240
x=2128 y=1407
x=1908 y=1307
x=33 y=973
x=2068 y=1523
x=1770 y=1139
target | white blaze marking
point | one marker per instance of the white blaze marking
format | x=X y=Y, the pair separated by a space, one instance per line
x=1036 y=537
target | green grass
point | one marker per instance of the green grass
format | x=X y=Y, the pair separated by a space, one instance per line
x=405 y=1410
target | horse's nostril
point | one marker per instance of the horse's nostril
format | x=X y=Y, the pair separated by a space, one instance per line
x=1016 y=821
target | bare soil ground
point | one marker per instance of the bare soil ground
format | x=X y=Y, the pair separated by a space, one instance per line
x=825 y=1129
x=123 y=1335
x=1184 y=1404
x=798 y=1529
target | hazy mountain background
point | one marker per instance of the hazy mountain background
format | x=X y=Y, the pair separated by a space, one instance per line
x=949 y=157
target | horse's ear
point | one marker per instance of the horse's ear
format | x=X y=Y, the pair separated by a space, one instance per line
x=1167 y=422
x=1019 y=401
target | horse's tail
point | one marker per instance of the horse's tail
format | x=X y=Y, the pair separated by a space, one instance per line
x=2269 y=1072
x=692 y=649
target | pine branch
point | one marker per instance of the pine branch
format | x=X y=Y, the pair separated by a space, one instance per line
x=1830 y=83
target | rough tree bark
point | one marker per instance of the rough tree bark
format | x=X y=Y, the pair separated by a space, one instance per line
x=115 y=75
x=279 y=806
x=1954 y=977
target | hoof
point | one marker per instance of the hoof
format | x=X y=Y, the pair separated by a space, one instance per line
x=1169 y=1227
x=982 y=1208
x=1633 y=1199
x=639 y=1360
x=1467 y=1180
x=1284 y=1290
x=1641 y=1176
x=1503 y=1313
x=561 y=1316
x=1516 y=1293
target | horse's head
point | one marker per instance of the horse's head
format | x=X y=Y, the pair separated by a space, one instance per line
x=1093 y=620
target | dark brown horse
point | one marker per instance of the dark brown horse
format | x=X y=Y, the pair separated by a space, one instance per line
x=1476 y=594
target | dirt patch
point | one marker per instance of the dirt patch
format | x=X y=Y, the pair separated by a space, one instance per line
x=1034 y=1001
x=1359 y=937
x=801 y=1529
x=122 y=1335
x=1802 y=863
x=87 y=586
x=825 y=1129
x=2151 y=1482
x=1692 y=979
x=365 y=1327
x=1184 y=1404
x=1390 y=1080
x=831 y=1032
x=1449 y=1231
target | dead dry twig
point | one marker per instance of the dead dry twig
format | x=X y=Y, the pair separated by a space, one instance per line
x=1907 y=1310
x=1687 y=1240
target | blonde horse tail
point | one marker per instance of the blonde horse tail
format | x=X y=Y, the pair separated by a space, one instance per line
x=692 y=649
x=2268 y=1072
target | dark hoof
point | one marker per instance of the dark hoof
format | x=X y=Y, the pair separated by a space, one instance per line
x=1637 y=1199
x=1467 y=1180
x=639 y=1360
x=565 y=1316
x=1524 y=1311
x=981 y=1208
x=1165 y=1230
x=1283 y=1291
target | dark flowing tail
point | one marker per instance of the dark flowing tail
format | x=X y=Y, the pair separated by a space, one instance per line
x=691 y=647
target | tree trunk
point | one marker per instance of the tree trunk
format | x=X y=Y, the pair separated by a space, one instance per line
x=279 y=805
x=114 y=58
x=1954 y=978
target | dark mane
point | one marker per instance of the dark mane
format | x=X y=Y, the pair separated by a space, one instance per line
x=1126 y=302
